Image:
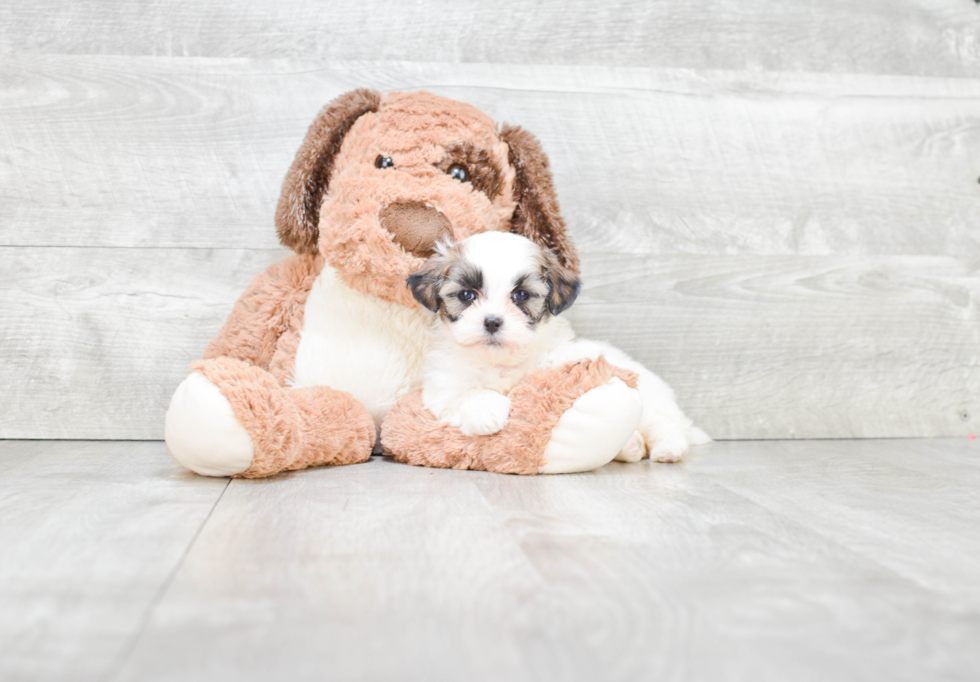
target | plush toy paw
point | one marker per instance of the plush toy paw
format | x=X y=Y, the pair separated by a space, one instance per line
x=482 y=413
x=594 y=429
x=634 y=450
x=202 y=432
x=669 y=447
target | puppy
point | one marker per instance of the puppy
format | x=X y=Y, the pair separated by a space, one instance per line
x=498 y=298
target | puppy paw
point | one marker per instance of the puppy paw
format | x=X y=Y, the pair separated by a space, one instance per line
x=669 y=448
x=483 y=414
x=634 y=450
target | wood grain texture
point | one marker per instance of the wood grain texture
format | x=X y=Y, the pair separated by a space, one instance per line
x=765 y=561
x=90 y=534
x=929 y=37
x=96 y=340
x=799 y=347
x=108 y=151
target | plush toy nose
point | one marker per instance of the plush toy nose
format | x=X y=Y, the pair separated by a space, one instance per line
x=415 y=226
x=492 y=324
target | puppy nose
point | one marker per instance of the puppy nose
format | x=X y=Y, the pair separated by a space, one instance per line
x=492 y=324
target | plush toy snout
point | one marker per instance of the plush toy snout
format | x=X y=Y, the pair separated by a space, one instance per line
x=415 y=226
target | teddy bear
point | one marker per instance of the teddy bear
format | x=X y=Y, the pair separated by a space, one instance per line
x=322 y=346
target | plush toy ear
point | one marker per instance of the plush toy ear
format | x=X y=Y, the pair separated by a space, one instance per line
x=563 y=284
x=537 y=216
x=298 y=213
x=426 y=282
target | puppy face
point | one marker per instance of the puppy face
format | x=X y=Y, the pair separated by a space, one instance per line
x=493 y=290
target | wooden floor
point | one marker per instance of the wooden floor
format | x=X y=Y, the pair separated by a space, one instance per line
x=777 y=560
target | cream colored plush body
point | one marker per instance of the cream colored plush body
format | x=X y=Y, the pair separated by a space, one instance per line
x=325 y=349
x=371 y=348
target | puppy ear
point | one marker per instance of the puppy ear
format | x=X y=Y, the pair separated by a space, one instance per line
x=563 y=284
x=298 y=212
x=425 y=284
x=537 y=216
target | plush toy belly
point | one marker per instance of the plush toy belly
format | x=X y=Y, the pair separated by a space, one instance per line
x=357 y=343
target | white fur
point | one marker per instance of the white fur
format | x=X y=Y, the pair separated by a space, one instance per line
x=464 y=371
x=360 y=344
x=502 y=257
x=459 y=381
x=665 y=432
x=202 y=431
x=593 y=429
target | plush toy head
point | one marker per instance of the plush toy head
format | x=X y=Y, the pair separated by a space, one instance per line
x=380 y=178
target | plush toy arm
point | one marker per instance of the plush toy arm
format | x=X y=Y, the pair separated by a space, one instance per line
x=229 y=418
x=664 y=431
x=572 y=418
x=271 y=306
x=233 y=417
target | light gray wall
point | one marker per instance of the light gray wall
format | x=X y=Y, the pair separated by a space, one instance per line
x=777 y=203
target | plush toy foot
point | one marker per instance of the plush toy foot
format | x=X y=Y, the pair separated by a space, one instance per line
x=572 y=418
x=594 y=429
x=230 y=418
x=202 y=432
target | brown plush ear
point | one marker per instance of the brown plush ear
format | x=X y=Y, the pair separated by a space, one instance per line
x=298 y=212
x=537 y=215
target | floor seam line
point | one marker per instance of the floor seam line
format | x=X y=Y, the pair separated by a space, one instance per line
x=144 y=620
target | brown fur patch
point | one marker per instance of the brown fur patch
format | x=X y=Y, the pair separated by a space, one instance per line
x=298 y=211
x=427 y=283
x=413 y=435
x=563 y=284
x=483 y=173
x=415 y=226
x=537 y=215
x=264 y=325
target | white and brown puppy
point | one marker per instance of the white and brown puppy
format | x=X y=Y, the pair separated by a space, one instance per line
x=498 y=297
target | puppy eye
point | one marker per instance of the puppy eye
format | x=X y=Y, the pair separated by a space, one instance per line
x=520 y=296
x=458 y=172
x=466 y=295
x=383 y=162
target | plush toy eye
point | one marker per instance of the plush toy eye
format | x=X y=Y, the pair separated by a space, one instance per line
x=383 y=162
x=466 y=295
x=458 y=172
x=519 y=296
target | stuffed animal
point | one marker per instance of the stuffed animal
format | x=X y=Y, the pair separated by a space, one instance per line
x=323 y=344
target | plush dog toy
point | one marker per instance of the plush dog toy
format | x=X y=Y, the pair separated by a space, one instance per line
x=323 y=344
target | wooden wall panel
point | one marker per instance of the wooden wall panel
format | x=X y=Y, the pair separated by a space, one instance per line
x=190 y=153
x=96 y=340
x=777 y=203
x=799 y=347
x=923 y=37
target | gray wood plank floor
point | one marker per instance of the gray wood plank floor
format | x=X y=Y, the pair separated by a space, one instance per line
x=777 y=560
